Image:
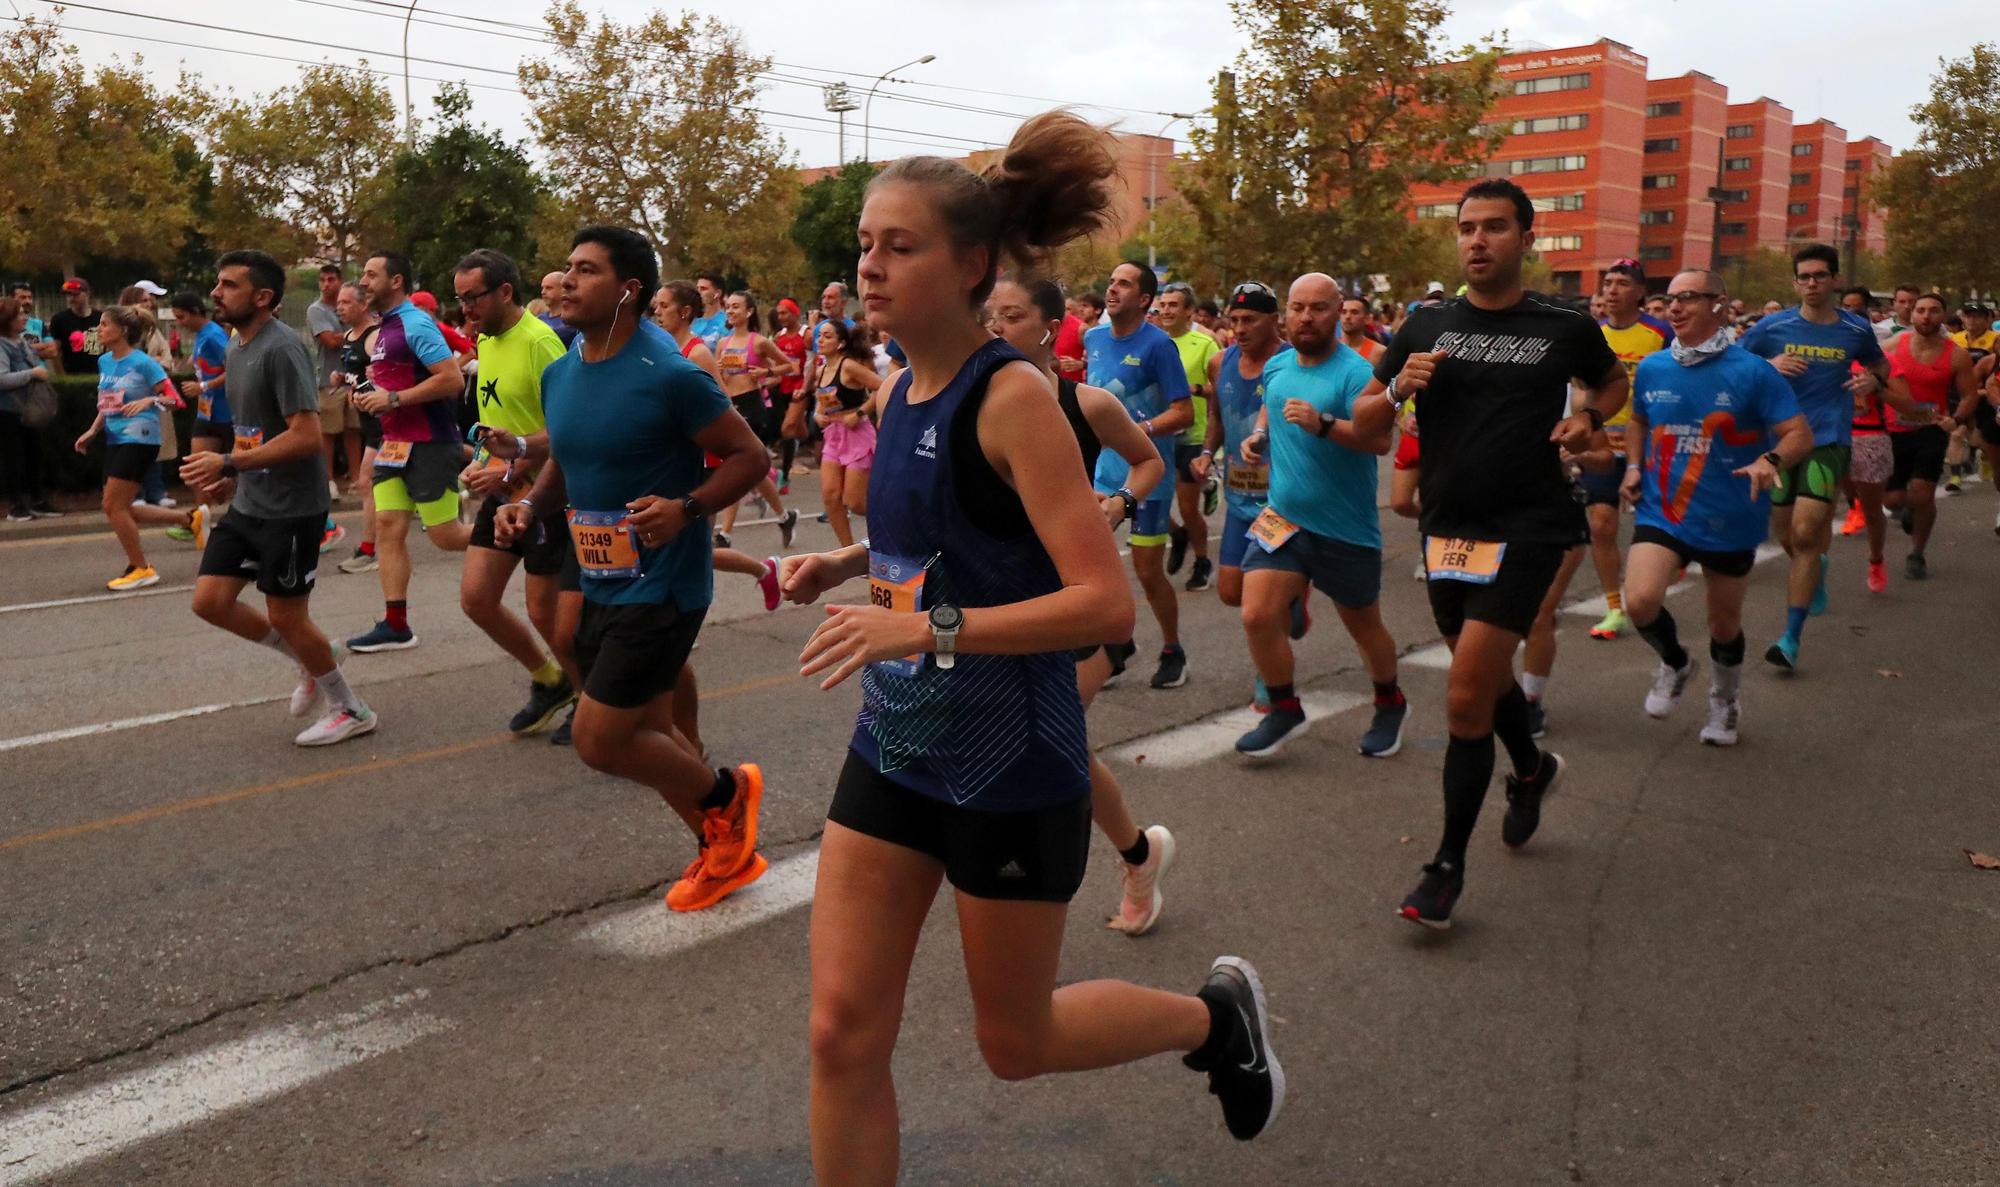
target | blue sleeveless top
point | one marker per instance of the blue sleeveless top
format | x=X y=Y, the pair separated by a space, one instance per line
x=1000 y=733
x=1238 y=400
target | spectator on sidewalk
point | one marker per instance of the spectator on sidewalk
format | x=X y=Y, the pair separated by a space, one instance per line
x=20 y=446
x=74 y=329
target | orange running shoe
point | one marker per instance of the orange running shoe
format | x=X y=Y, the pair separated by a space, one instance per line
x=729 y=833
x=700 y=887
x=1855 y=523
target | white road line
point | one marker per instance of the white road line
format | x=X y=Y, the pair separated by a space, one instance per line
x=1597 y=606
x=128 y=723
x=1214 y=736
x=651 y=930
x=74 y=1129
x=153 y=592
x=1436 y=657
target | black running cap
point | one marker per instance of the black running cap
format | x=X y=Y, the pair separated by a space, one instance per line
x=1254 y=297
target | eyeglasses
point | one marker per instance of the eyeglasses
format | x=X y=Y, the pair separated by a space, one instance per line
x=1252 y=287
x=1814 y=277
x=1690 y=298
x=466 y=299
x=1178 y=286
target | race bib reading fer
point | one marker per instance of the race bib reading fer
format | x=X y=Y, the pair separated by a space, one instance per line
x=1476 y=561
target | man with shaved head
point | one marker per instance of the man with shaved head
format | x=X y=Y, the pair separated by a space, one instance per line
x=1712 y=428
x=1322 y=436
x=551 y=294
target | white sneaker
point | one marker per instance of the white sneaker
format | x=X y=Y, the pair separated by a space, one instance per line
x=306 y=696
x=1668 y=685
x=1996 y=525
x=337 y=725
x=1139 y=906
x=168 y=502
x=360 y=562
x=1723 y=717
x=1422 y=574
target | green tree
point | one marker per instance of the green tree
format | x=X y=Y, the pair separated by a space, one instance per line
x=1764 y=274
x=1943 y=192
x=829 y=210
x=1334 y=111
x=652 y=125
x=462 y=187
x=92 y=164
x=303 y=170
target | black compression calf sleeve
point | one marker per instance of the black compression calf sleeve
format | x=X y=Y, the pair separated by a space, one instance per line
x=1729 y=654
x=1665 y=640
x=1468 y=768
x=1514 y=725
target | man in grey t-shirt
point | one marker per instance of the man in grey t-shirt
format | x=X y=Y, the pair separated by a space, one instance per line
x=339 y=420
x=274 y=470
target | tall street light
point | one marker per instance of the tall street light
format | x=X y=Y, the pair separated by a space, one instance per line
x=867 y=108
x=409 y=126
x=1152 y=187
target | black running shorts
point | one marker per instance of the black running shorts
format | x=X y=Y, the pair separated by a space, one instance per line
x=129 y=462
x=1033 y=856
x=1984 y=419
x=541 y=549
x=630 y=653
x=1722 y=564
x=1919 y=455
x=1510 y=601
x=280 y=555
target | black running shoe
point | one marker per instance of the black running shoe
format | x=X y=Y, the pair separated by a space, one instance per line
x=544 y=702
x=788 y=527
x=1176 y=548
x=1906 y=519
x=1538 y=720
x=561 y=735
x=1431 y=902
x=1916 y=568
x=1244 y=1074
x=1118 y=654
x=721 y=538
x=1198 y=580
x=1524 y=801
x=1172 y=672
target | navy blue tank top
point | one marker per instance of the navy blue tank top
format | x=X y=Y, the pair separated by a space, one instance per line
x=995 y=732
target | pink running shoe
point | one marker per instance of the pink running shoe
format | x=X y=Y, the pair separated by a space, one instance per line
x=1878 y=577
x=769 y=583
x=1140 y=904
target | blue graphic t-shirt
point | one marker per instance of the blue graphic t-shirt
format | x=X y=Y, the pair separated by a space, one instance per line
x=625 y=427
x=710 y=329
x=1703 y=423
x=1143 y=369
x=1319 y=484
x=407 y=347
x=1237 y=401
x=1829 y=350
x=127 y=381
x=211 y=352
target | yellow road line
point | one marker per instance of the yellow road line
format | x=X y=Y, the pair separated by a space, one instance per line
x=175 y=808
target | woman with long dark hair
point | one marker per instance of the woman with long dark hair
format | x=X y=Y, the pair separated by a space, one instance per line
x=845 y=379
x=989 y=563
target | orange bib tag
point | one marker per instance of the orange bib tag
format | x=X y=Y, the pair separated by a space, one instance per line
x=897 y=583
x=522 y=478
x=604 y=545
x=248 y=437
x=1246 y=479
x=1476 y=561
x=392 y=455
x=1271 y=530
x=205 y=405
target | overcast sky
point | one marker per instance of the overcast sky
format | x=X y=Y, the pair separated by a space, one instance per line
x=1134 y=63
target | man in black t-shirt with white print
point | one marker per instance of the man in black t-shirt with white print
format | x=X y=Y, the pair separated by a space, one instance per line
x=1490 y=373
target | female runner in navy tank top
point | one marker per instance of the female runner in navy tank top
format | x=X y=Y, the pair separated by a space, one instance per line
x=989 y=564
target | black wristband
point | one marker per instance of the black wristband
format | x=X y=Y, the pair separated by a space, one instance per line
x=1596 y=417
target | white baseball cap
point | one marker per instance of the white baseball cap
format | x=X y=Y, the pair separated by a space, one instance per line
x=147 y=286
x=1435 y=286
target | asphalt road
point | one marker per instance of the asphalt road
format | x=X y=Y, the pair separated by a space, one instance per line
x=437 y=955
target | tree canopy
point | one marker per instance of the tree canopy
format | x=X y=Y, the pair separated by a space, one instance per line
x=1945 y=190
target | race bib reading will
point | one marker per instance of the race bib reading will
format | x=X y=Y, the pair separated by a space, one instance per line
x=604 y=545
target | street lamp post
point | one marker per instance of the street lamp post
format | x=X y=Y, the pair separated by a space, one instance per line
x=409 y=125
x=867 y=109
x=1153 y=190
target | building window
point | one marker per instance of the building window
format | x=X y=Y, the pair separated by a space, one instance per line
x=1559 y=243
x=1732 y=195
x=1555 y=82
x=1851 y=192
x=1660 y=181
x=1801 y=179
x=1742 y=131
x=1797 y=208
x=1546 y=164
x=1735 y=164
x=1854 y=166
x=1664 y=144
x=1722 y=262
x=1803 y=150
x=1656 y=253
x=1557 y=202
x=1550 y=123
x=1669 y=107
x=1732 y=228
x=1437 y=210
x=1655 y=218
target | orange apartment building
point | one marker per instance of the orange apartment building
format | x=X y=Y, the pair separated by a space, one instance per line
x=1666 y=170
x=1863 y=223
x=1818 y=171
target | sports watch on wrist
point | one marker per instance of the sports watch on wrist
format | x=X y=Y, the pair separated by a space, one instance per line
x=1776 y=459
x=1131 y=501
x=1326 y=420
x=945 y=620
x=692 y=508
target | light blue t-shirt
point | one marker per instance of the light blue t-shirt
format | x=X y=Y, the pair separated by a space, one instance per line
x=623 y=428
x=1703 y=423
x=1143 y=369
x=710 y=329
x=1237 y=402
x=127 y=381
x=1317 y=483
x=1828 y=351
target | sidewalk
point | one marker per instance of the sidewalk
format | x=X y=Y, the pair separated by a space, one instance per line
x=82 y=517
